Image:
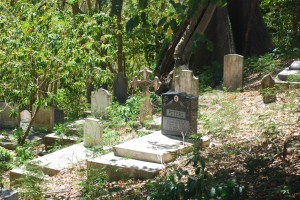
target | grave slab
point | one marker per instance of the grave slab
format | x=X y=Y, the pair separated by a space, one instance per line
x=52 y=138
x=122 y=167
x=283 y=75
x=295 y=65
x=16 y=175
x=155 y=147
x=53 y=163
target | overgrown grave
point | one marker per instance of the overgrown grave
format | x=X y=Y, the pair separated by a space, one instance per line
x=145 y=156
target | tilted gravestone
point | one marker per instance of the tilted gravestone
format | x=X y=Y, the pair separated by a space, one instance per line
x=47 y=117
x=8 y=195
x=186 y=82
x=233 y=71
x=120 y=87
x=268 y=89
x=100 y=101
x=92 y=132
x=146 y=108
x=6 y=121
x=179 y=114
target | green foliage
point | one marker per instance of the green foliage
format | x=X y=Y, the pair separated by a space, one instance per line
x=264 y=64
x=94 y=186
x=211 y=76
x=31 y=184
x=18 y=134
x=24 y=153
x=5 y=155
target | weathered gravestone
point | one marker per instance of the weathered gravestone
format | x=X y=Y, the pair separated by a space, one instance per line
x=146 y=108
x=100 y=101
x=120 y=87
x=268 y=89
x=233 y=71
x=92 y=132
x=47 y=117
x=186 y=82
x=6 y=121
x=179 y=114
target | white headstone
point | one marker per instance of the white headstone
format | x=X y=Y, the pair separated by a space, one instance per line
x=93 y=131
x=186 y=82
x=100 y=101
x=233 y=71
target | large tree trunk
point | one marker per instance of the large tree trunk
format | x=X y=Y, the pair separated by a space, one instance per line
x=237 y=28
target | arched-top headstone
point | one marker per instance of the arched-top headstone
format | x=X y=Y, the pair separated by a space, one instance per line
x=100 y=101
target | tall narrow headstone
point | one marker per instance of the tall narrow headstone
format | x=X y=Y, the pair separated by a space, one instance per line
x=93 y=131
x=233 y=71
x=6 y=120
x=268 y=89
x=120 y=87
x=146 y=108
x=100 y=101
x=179 y=114
x=186 y=82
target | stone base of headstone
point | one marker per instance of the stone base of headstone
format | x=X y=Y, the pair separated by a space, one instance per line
x=93 y=131
x=179 y=114
x=46 y=118
x=8 y=195
x=6 y=121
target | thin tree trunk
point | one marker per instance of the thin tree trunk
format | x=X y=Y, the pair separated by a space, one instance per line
x=120 y=44
x=29 y=126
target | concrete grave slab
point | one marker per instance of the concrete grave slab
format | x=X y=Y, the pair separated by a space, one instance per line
x=122 y=167
x=283 y=75
x=53 y=163
x=295 y=65
x=52 y=138
x=155 y=147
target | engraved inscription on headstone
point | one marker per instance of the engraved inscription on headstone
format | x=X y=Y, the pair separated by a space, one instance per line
x=179 y=114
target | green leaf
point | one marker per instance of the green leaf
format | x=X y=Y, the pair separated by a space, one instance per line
x=143 y=4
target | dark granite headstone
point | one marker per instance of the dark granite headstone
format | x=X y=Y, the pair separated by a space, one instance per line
x=179 y=113
x=120 y=87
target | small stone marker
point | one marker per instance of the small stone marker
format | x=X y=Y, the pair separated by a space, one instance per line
x=100 y=101
x=92 y=131
x=179 y=114
x=233 y=71
x=5 y=120
x=146 y=107
x=268 y=86
x=186 y=82
x=120 y=87
x=47 y=117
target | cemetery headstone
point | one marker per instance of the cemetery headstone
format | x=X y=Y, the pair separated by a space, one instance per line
x=92 y=132
x=100 y=101
x=47 y=117
x=146 y=108
x=186 y=82
x=120 y=87
x=233 y=71
x=179 y=114
x=268 y=89
x=6 y=120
